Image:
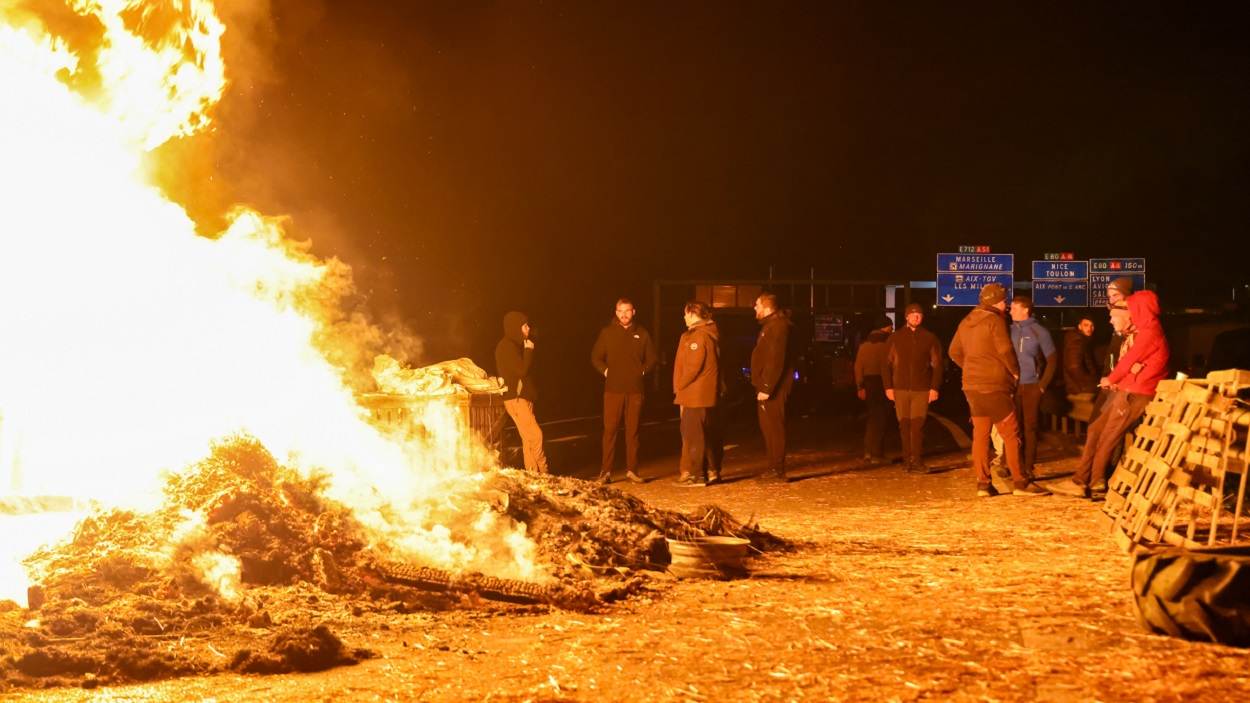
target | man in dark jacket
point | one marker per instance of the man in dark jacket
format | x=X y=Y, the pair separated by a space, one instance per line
x=982 y=348
x=869 y=364
x=514 y=355
x=696 y=388
x=1080 y=369
x=623 y=354
x=772 y=376
x=1038 y=360
x=912 y=375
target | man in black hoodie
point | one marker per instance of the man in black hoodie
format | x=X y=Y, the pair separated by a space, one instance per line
x=514 y=355
x=623 y=354
x=772 y=375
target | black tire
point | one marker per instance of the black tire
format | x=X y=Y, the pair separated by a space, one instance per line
x=1201 y=594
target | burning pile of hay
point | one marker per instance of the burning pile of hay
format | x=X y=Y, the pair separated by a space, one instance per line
x=247 y=558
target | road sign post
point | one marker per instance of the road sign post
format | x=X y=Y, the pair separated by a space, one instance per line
x=1103 y=271
x=1060 y=284
x=961 y=276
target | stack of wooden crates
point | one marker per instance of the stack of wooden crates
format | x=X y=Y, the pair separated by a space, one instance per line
x=1183 y=480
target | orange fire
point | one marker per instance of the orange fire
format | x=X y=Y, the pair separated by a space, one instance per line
x=130 y=343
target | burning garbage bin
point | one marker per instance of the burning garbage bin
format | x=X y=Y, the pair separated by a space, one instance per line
x=406 y=396
x=483 y=413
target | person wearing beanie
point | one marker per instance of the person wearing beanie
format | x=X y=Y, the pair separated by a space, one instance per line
x=982 y=348
x=1038 y=358
x=912 y=374
x=869 y=370
x=514 y=355
x=1118 y=291
x=1142 y=364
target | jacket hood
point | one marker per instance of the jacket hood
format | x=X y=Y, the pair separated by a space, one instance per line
x=878 y=336
x=512 y=322
x=709 y=328
x=1143 y=308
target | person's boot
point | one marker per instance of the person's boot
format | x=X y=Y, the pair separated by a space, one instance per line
x=634 y=478
x=917 y=448
x=904 y=438
x=605 y=477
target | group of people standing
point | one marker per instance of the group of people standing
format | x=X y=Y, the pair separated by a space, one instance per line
x=1009 y=361
x=1006 y=373
x=624 y=354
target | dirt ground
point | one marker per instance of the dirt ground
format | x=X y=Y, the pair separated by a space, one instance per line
x=903 y=588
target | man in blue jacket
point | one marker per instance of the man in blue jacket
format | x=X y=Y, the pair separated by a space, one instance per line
x=1035 y=351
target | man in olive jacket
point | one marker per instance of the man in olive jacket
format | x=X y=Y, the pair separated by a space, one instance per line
x=623 y=354
x=912 y=375
x=982 y=348
x=514 y=355
x=696 y=387
x=772 y=376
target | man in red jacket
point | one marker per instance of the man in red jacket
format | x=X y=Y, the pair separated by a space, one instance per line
x=1143 y=362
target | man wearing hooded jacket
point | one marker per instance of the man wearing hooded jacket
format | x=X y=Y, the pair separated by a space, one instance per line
x=514 y=355
x=1143 y=362
x=696 y=387
x=982 y=348
x=870 y=387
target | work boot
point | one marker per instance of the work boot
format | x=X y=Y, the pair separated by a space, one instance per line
x=713 y=477
x=635 y=478
x=604 y=478
x=904 y=438
x=688 y=481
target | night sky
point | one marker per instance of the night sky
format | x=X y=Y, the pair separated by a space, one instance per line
x=469 y=158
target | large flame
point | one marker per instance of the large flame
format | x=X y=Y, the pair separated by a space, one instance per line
x=128 y=343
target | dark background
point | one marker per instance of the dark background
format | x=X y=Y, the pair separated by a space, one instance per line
x=474 y=157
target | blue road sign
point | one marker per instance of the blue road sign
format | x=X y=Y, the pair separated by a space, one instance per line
x=964 y=289
x=1060 y=294
x=1098 y=283
x=1060 y=271
x=1119 y=267
x=975 y=263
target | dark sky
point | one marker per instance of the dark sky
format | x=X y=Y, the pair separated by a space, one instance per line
x=466 y=158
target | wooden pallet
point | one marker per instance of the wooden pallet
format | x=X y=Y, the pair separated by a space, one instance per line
x=1169 y=486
